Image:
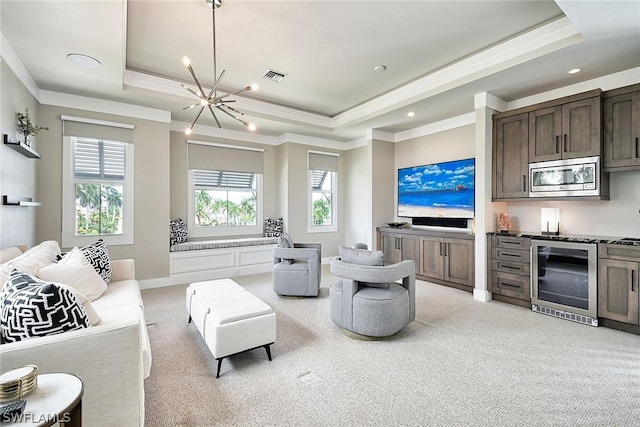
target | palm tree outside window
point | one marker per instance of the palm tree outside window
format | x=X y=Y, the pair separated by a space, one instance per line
x=99 y=180
x=225 y=199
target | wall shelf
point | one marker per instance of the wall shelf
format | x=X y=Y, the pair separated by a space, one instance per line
x=19 y=201
x=21 y=148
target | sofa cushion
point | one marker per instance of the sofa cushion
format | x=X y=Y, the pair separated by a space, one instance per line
x=30 y=308
x=74 y=270
x=36 y=257
x=178 y=231
x=9 y=253
x=98 y=256
x=119 y=294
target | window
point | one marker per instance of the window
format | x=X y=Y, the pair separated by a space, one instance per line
x=98 y=185
x=225 y=189
x=322 y=189
x=224 y=203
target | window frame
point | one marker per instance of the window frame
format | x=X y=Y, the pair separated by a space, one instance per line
x=226 y=230
x=69 y=238
x=330 y=228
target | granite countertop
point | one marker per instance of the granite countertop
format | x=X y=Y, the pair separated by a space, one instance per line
x=632 y=241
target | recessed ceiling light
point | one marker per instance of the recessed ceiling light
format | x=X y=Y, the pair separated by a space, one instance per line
x=411 y=114
x=83 y=60
x=380 y=68
x=574 y=70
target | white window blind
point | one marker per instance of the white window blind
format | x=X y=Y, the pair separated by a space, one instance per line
x=222 y=179
x=103 y=160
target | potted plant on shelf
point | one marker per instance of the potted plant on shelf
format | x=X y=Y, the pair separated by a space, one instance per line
x=26 y=127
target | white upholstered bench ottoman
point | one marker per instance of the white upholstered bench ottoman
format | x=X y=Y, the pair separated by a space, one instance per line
x=229 y=318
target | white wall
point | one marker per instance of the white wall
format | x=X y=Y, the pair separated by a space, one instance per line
x=357 y=203
x=17 y=172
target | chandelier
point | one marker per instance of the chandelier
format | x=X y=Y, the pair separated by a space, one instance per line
x=213 y=100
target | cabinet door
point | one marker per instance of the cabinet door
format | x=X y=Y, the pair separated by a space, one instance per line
x=511 y=157
x=581 y=128
x=545 y=129
x=459 y=261
x=618 y=290
x=409 y=250
x=391 y=248
x=432 y=257
x=622 y=131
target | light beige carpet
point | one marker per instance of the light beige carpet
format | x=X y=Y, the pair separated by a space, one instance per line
x=460 y=363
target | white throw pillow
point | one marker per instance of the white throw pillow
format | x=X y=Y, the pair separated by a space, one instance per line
x=75 y=270
x=36 y=257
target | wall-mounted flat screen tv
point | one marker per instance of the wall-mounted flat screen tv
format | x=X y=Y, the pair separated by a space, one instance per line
x=438 y=190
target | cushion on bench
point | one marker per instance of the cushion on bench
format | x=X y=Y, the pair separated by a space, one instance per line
x=220 y=244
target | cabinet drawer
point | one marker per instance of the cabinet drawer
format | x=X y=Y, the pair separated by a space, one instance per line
x=511 y=242
x=519 y=268
x=510 y=285
x=623 y=252
x=510 y=255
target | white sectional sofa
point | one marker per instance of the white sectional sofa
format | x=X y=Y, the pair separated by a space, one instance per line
x=112 y=358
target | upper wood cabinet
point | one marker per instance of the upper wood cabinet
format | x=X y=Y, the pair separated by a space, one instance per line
x=565 y=128
x=511 y=157
x=566 y=131
x=622 y=129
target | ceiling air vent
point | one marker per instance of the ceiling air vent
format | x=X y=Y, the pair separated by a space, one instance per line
x=274 y=75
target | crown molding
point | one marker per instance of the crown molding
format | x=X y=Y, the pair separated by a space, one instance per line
x=11 y=58
x=102 y=106
x=137 y=80
x=540 y=41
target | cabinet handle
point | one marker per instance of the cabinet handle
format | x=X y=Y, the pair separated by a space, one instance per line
x=637 y=149
x=446 y=249
x=440 y=246
x=524 y=182
x=565 y=143
x=557 y=143
x=633 y=282
x=511 y=285
x=399 y=242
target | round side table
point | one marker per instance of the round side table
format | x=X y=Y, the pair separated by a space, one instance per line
x=57 y=399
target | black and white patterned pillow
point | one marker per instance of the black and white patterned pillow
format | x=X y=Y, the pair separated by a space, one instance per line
x=30 y=308
x=272 y=227
x=98 y=256
x=178 y=230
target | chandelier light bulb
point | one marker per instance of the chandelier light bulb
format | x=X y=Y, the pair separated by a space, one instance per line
x=187 y=131
x=212 y=100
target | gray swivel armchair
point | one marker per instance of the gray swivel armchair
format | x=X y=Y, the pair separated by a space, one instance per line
x=296 y=268
x=367 y=301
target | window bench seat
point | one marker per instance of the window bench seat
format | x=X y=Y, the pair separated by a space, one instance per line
x=193 y=261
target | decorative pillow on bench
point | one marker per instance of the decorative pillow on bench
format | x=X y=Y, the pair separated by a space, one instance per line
x=178 y=230
x=30 y=308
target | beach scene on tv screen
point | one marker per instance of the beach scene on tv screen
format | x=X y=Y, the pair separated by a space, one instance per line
x=441 y=190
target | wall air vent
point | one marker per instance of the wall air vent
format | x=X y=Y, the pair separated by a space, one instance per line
x=274 y=75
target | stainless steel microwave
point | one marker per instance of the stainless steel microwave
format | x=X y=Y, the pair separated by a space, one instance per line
x=565 y=178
